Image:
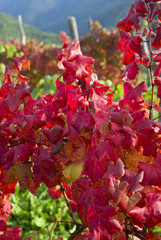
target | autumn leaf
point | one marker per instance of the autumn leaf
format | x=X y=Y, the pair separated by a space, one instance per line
x=155 y=9
x=22 y=63
x=130 y=72
x=131 y=45
x=127 y=203
x=152 y=175
x=80 y=67
x=134 y=157
x=150 y=214
x=73 y=171
x=131 y=19
x=13 y=233
x=75 y=150
x=157 y=42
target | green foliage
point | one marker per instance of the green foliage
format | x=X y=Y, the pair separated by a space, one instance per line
x=7 y=52
x=116 y=89
x=10 y=50
x=33 y=213
x=45 y=85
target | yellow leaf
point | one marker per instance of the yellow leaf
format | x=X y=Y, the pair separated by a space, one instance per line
x=75 y=151
x=134 y=157
x=26 y=65
x=73 y=171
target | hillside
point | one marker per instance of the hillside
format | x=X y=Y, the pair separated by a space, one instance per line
x=9 y=29
x=52 y=15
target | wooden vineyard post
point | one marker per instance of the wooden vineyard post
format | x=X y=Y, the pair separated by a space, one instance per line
x=22 y=30
x=73 y=28
x=90 y=23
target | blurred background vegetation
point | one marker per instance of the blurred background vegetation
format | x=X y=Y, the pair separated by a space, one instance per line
x=9 y=29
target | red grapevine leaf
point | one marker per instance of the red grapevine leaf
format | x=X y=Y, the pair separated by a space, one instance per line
x=147 y=1
x=133 y=180
x=130 y=138
x=80 y=67
x=152 y=236
x=120 y=191
x=75 y=98
x=155 y=9
x=127 y=203
x=5 y=205
x=131 y=45
x=55 y=134
x=119 y=170
x=12 y=102
x=45 y=170
x=95 y=165
x=37 y=119
x=19 y=154
x=152 y=174
x=7 y=75
x=22 y=78
x=121 y=117
x=54 y=194
x=157 y=42
x=150 y=214
x=137 y=91
x=81 y=195
x=68 y=52
x=13 y=233
x=87 y=198
x=131 y=19
x=95 y=168
x=23 y=173
x=130 y=72
x=145 y=32
x=124 y=36
x=116 y=170
x=82 y=236
x=22 y=63
x=140 y=6
x=3 y=225
x=157 y=70
x=157 y=59
x=75 y=150
x=133 y=96
x=103 y=226
x=83 y=120
x=64 y=37
x=157 y=82
x=99 y=107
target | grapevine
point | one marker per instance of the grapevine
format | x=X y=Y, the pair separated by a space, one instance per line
x=102 y=157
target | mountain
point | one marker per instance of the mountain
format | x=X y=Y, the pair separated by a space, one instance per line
x=52 y=15
x=9 y=29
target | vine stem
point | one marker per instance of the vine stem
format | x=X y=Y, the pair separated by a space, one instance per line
x=51 y=236
x=156 y=117
x=133 y=230
x=78 y=230
x=38 y=232
x=79 y=227
x=150 y=64
x=68 y=205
